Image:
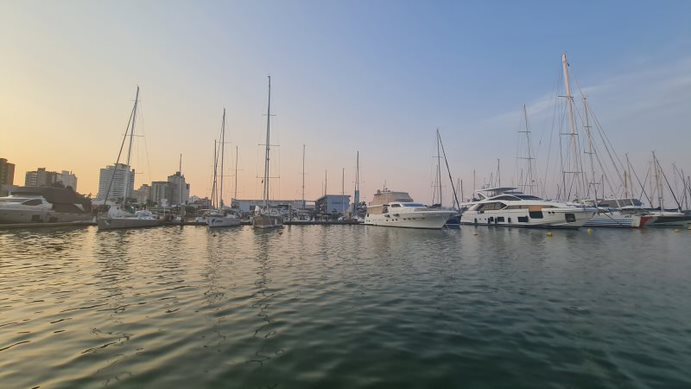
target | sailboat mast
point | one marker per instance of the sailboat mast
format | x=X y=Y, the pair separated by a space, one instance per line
x=590 y=147
x=658 y=182
x=448 y=170
x=574 y=168
x=303 y=177
x=356 y=196
x=235 y=193
x=214 y=182
x=268 y=147
x=128 y=172
x=529 y=174
x=439 y=188
x=342 y=190
x=223 y=149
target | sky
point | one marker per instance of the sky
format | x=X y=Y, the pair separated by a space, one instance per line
x=378 y=77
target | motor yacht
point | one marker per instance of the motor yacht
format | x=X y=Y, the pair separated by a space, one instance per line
x=397 y=209
x=44 y=205
x=505 y=206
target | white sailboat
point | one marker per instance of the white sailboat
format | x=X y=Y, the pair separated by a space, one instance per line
x=266 y=217
x=118 y=217
x=219 y=218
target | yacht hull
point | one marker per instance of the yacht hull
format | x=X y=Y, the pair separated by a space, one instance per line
x=264 y=222
x=426 y=220
x=127 y=223
x=552 y=218
x=220 y=222
x=41 y=216
x=615 y=220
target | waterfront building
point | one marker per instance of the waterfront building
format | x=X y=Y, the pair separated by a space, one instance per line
x=6 y=176
x=40 y=177
x=142 y=195
x=249 y=205
x=179 y=189
x=332 y=204
x=68 y=179
x=160 y=192
x=123 y=182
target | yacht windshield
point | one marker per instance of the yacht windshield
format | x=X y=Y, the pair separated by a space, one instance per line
x=414 y=205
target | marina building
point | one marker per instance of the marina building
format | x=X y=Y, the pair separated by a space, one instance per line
x=6 y=176
x=332 y=204
x=42 y=177
x=179 y=190
x=160 y=193
x=249 y=205
x=123 y=182
x=142 y=195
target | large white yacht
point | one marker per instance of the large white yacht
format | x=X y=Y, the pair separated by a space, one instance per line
x=397 y=209
x=44 y=205
x=505 y=206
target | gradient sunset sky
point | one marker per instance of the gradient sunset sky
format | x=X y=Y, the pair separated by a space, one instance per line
x=373 y=76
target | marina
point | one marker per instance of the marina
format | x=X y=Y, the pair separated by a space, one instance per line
x=344 y=306
x=399 y=195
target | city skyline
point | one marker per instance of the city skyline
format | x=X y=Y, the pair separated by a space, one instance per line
x=376 y=78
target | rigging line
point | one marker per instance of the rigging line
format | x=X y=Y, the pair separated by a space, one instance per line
x=117 y=161
x=674 y=196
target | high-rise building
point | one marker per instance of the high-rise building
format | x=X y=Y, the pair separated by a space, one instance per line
x=68 y=179
x=6 y=176
x=160 y=192
x=179 y=189
x=122 y=182
x=40 y=177
x=142 y=195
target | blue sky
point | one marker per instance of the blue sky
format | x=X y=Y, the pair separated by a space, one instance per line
x=377 y=76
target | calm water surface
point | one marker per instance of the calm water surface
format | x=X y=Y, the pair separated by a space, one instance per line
x=345 y=307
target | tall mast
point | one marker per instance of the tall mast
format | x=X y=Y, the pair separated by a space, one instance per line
x=573 y=167
x=439 y=188
x=342 y=189
x=448 y=170
x=356 y=196
x=214 y=183
x=223 y=148
x=128 y=172
x=303 y=177
x=268 y=147
x=499 y=171
x=590 y=152
x=529 y=174
x=235 y=193
x=658 y=183
x=326 y=181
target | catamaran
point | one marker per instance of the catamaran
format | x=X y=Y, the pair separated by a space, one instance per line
x=265 y=216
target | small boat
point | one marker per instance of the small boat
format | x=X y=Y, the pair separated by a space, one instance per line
x=397 y=209
x=121 y=219
x=504 y=206
x=218 y=220
x=266 y=217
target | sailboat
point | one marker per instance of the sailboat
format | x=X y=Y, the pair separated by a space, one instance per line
x=665 y=217
x=218 y=218
x=118 y=216
x=265 y=216
x=454 y=221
